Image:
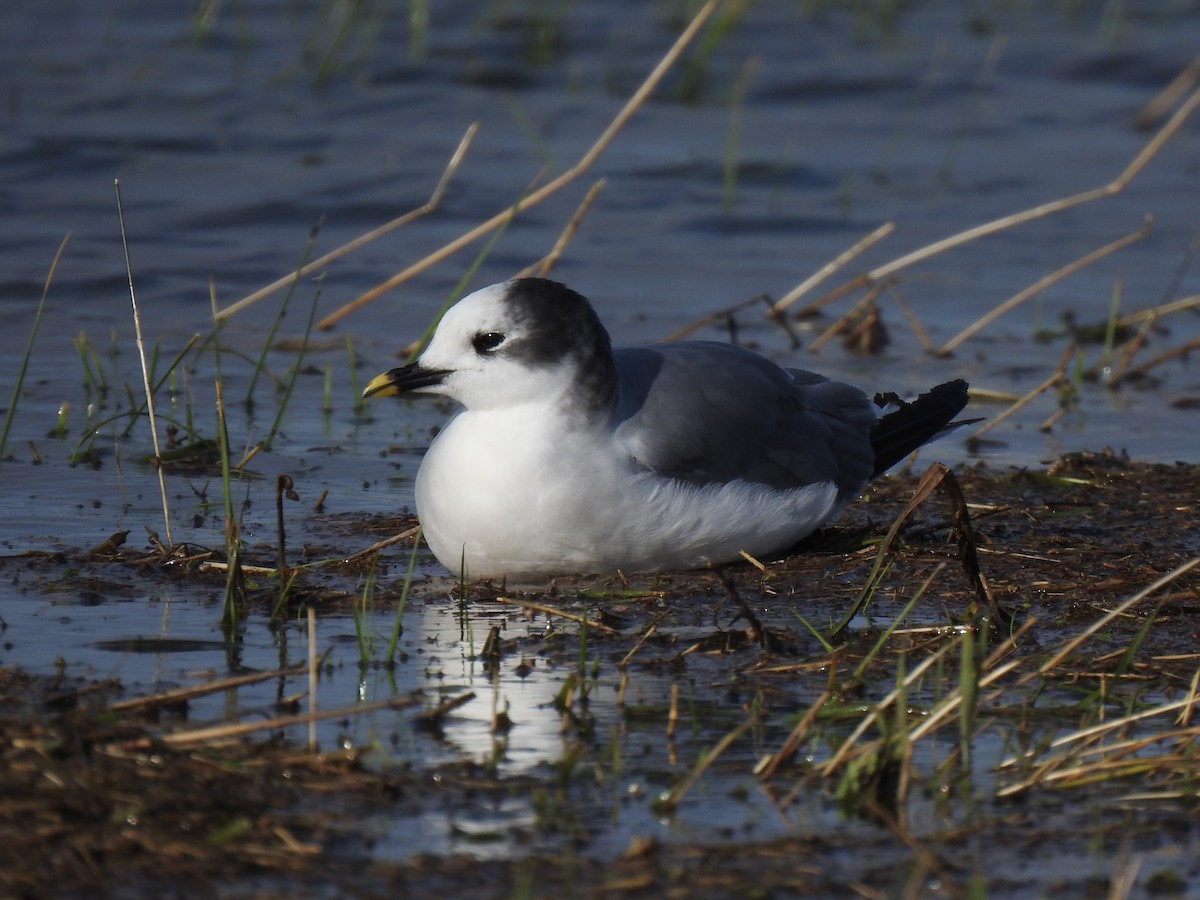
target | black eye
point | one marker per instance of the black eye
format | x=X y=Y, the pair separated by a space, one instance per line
x=486 y=341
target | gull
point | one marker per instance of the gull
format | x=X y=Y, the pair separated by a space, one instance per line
x=570 y=457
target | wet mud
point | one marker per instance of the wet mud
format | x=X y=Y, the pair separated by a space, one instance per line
x=966 y=730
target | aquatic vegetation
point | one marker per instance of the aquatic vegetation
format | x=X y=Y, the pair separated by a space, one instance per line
x=23 y=367
x=672 y=707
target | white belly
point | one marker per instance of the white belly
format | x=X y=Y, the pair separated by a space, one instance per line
x=502 y=500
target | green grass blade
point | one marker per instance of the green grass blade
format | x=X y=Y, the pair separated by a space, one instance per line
x=398 y=627
x=24 y=367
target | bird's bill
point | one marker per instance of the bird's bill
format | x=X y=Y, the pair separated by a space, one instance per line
x=403 y=379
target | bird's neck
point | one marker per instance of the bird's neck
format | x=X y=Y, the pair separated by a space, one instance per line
x=590 y=392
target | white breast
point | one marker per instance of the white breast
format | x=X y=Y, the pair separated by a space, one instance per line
x=508 y=497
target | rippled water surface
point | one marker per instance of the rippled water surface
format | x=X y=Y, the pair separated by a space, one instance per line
x=238 y=131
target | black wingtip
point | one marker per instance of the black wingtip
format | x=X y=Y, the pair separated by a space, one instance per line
x=916 y=422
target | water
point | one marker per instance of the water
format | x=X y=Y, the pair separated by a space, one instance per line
x=232 y=139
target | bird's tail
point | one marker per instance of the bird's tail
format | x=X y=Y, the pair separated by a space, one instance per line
x=913 y=423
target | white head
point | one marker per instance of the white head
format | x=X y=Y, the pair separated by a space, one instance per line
x=517 y=342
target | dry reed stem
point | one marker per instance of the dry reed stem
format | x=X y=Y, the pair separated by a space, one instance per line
x=1130 y=350
x=1008 y=645
x=993 y=395
x=237 y=729
x=716 y=316
x=1149 y=318
x=1155 y=796
x=1085 y=773
x=1160 y=310
x=649 y=632
x=434 y=716
x=937 y=477
x=844 y=751
x=549 y=610
x=842 y=322
x=427 y=207
x=543 y=267
x=584 y=163
x=1115 y=186
x=992 y=670
x=707 y=759
x=378 y=545
x=1169 y=96
x=1046 y=770
x=775 y=311
x=1117 y=611
x=1053 y=419
x=1093 y=732
x=953 y=700
x=1055 y=377
x=221 y=566
x=910 y=314
x=1185 y=717
x=791 y=744
x=206 y=564
x=141 y=346
x=758 y=564
x=1040 y=285
x=831 y=267
x=177 y=695
x=1125 y=876
x=822 y=663
x=1114 y=759
x=1164 y=357
x=1148 y=151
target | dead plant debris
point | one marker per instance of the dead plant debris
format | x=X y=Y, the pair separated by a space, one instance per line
x=1089 y=682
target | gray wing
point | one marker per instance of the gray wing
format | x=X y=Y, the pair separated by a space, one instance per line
x=704 y=411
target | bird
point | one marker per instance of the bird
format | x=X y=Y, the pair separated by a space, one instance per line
x=567 y=456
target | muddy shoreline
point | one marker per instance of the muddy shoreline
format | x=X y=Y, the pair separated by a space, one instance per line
x=103 y=801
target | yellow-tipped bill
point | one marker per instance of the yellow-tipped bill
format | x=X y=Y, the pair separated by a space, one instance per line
x=403 y=379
